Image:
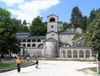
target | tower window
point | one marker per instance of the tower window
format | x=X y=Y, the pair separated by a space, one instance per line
x=52 y=26
x=52 y=34
x=52 y=20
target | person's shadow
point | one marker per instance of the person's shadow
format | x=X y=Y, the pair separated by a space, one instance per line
x=23 y=72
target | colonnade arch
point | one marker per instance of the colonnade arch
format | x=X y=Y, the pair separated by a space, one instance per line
x=77 y=53
x=87 y=53
x=63 y=53
x=31 y=40
x=69 y=54
x=81 y=54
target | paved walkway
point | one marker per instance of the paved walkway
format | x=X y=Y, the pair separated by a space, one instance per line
x=54 y=68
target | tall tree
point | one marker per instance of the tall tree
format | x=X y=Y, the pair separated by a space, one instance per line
x=66 y=25
x=38 y=28
x=8 y=40
x=92 y=16
x=93 y=35
x=24 y=23
x=23 y=28
x=84 y=23
x=76 y=16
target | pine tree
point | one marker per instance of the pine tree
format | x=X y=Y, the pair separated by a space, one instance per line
x=76 y=16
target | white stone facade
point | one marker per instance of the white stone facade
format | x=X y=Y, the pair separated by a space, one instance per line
x=54 y=44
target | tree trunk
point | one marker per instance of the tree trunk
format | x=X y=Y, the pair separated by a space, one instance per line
x=99 y=56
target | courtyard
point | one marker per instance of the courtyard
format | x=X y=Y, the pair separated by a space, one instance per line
x=54 y=68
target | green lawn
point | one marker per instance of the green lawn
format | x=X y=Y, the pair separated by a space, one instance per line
x=92 y=69
x=8 y=64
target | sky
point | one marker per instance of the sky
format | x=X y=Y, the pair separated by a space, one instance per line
x=29 y=9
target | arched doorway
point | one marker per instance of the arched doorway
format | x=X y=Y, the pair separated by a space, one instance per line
x=69 y=54
x=75 y=54
x=40 y=46
x=63 y=54
x=87 y=53
x=81 y=54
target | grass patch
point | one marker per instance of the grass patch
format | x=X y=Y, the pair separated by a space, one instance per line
x=94 y=69
x=8 y=64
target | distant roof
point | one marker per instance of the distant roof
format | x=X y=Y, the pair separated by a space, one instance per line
x=23 y=34
x=51 y=15
x=50 y=39
x=52 y=31
x=66 y=32
x=33 y=37
x=64 y=43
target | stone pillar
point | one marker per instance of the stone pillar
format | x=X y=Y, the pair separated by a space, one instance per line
x=60 y=53
x=84 y=54
x=90 y=53
x=72 y=53
x=66 y=54
x=78 y=54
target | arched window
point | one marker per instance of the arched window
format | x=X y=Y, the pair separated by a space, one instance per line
x=33 y=45
x=33 y=40
x=38 y=40
x=52 y=20
x=28 y=45
x=23 y=40
x=24 y=45
x=28 y=40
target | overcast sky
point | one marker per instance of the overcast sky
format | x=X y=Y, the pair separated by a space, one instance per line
x=29 y=9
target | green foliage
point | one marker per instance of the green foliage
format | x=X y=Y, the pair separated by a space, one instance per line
x=93 y=35
x=8 y=40
x=84 y=23
x=77 y=36
x=66 y=25
x=38 y=28
x=76 y=16
x=92 y=16
x=23 y=28
x=24 y=23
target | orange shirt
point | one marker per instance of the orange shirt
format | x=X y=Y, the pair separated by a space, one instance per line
x=18 y=61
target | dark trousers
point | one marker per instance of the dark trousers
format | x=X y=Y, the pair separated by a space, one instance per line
x=18 y=67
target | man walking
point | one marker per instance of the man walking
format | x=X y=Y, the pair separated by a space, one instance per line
x=36 y=63
x=18 y=63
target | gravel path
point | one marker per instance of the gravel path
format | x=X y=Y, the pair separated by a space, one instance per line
x=54 y=68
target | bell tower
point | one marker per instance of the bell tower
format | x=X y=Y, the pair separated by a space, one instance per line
x=52 y=22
